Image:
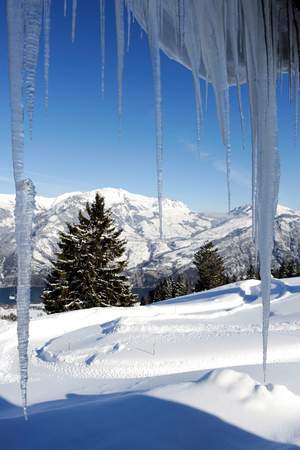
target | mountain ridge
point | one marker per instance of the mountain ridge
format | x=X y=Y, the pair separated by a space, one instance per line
x=149 y=258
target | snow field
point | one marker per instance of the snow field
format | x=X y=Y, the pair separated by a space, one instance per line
x=167 y=368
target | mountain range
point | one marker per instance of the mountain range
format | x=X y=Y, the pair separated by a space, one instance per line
x=149 y=258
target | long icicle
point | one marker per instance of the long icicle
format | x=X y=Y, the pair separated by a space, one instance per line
x=24 y=187
x=65 y=8
x=102 y=44
x=233 y=26
x=211 y=32
x=74 y=18
x=153 y=36
x=190 y=42
x=260 y=51
x=47 y=26
x=33 y=24
x=128 y=25
x=119 y=10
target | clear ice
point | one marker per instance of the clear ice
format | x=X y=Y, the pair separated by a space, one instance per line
x=20 y=40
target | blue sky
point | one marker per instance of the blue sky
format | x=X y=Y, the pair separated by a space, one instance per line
x=76 y=144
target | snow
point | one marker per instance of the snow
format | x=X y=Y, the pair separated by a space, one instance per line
x=184 y=373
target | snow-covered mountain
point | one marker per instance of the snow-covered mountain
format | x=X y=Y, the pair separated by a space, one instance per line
x=149 y=258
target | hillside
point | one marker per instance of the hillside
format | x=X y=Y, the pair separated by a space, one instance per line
x=148 y=257
x=182 y=374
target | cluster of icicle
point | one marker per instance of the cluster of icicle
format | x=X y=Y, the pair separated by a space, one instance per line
x=225 y=42
x=230 y=42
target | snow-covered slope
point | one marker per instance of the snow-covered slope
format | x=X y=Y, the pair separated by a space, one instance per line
x=149 y=258
x=182 y=374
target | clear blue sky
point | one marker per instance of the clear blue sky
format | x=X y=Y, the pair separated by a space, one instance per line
x=76 y=145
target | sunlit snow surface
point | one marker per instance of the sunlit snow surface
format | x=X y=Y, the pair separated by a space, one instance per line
x=184 y=373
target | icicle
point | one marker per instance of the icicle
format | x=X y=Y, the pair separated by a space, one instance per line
x=206 y=95
x=47 y=10
x=119 y=9
x=181 y=21
x=128 y=27
x=24 y=187
x=153 y=37
x=24 y=211
x=65 y=8
x=296 y=50
x=233 y=24
x=33 y=24
x=211 y=36
x=74 y=14
x=102 y=44
x=295 y=99
x=296 y=114
x=199 y=113
x=228 y=175
x=290 y=42
x=190 y=42
x=260 y=51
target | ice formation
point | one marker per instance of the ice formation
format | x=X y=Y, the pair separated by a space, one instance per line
x=74 y=17
x=23 y=20
x=119 y=12
x=102 y=43
x=47 y=10
x=225 y=42
x=230 y=42
x=33 y=25
x=153 y=20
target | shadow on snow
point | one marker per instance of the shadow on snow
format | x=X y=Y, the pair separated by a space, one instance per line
x=122 y=422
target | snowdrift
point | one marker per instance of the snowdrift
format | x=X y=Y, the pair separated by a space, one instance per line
x=182 y=373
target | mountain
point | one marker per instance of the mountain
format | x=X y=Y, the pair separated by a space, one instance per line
x=148 y=257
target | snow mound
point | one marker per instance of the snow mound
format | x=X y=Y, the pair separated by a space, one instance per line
x=270 y=411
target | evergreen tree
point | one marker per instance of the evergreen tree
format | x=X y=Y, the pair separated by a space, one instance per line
x=89 y=269
x=169 y=288
x=210 y=267
x=288 y=268
x=163 y=290
x=252 y=273
x=180 y=286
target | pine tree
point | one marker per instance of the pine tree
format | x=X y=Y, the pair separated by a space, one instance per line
x=210 y=268
x=252 y=273
x=288 y=268
x=180 y=286
x=89 y=269
x=169 y=288
x=162 y=291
